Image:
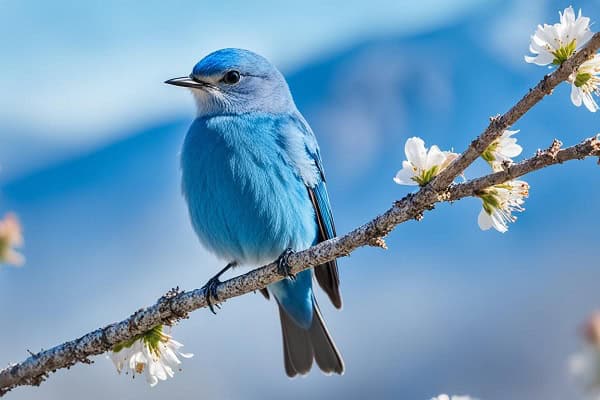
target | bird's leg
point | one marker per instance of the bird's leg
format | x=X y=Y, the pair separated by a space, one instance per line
x=210 y=289
x=283 y=266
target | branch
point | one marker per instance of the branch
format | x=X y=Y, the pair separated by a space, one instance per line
x=176 y=305
x=590 y=147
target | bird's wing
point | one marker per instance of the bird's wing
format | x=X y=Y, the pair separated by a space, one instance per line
x=326 y=274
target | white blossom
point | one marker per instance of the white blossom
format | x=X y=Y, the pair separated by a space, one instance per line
x=499 y=202
x=10 y=237
x=585 y=82
x=154 y=353
x=553 y=44
x=422 y=164
x=584 y=366
x=502 y=150
x=453 y=397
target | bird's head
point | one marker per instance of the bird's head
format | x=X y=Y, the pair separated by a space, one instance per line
x=236 y=81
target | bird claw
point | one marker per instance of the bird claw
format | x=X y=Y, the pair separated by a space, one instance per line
x=210 y=291
x=283 y=267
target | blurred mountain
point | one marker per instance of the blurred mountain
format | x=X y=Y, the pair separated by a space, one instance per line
x=447 y=309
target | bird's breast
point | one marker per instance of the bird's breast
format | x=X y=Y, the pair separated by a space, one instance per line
x=245 y=201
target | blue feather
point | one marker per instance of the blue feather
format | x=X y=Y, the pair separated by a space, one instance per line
x=320 y=187
x=254 y=205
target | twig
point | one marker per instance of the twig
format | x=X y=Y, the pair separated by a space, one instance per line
x=553 y=155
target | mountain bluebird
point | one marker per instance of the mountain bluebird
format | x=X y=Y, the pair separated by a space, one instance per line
x=253 y=179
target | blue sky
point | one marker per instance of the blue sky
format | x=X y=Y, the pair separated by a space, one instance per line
x=78 y=71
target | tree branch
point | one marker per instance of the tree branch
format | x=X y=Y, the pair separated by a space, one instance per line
x=553 y=155
x=176 y=305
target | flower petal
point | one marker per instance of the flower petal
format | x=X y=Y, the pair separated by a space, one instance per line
x=498 y=223
x=484 y=220
x=405 y=175
x=435 y=157
x=589 y=102
x=416 y=153
x=575 y=95
x=512 y=150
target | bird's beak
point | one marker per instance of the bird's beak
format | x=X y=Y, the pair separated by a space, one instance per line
x=187 y=81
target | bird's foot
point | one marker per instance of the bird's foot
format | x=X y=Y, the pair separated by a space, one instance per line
x=210 y=292
x=283 y=266
x=210 y=289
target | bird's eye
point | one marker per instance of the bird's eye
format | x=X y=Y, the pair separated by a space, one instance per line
x=231 y=77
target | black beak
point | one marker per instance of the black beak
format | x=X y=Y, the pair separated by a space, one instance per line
x=186 y=81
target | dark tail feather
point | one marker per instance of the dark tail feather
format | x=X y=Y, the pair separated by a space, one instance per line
x=329 y=280
x=300 y=346
x=327 y=355
x=297 y=348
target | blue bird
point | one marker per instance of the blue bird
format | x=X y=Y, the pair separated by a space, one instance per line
x=254 y=183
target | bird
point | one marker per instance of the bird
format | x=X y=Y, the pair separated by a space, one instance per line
x=253 y=180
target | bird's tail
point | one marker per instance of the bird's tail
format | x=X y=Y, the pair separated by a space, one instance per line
x=301 y=346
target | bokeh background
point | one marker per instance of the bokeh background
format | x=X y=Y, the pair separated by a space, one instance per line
x=89 y=151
